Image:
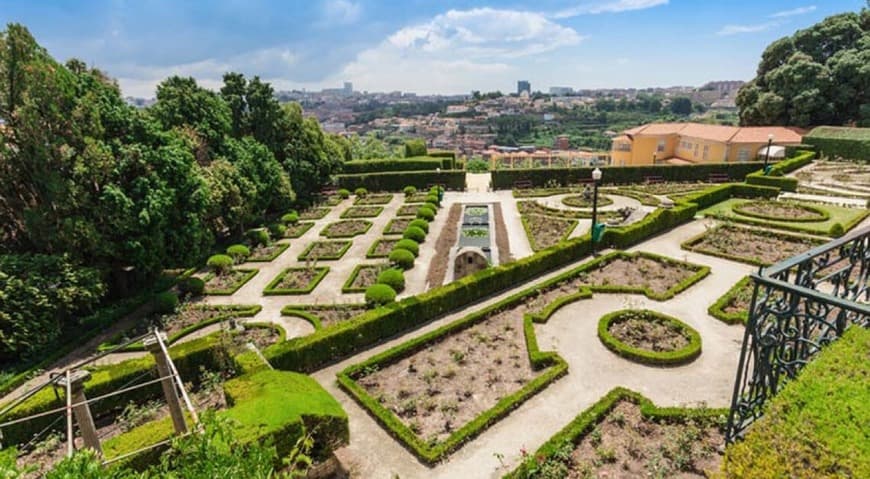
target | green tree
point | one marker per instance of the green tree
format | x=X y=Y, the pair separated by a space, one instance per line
x=681 y=106
x=181 y=103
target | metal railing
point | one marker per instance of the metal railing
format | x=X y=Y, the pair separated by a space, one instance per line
x=798 y=306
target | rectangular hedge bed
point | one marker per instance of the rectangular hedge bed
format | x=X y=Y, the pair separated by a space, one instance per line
x=296 y=281
x=346 y=228
x=228 y=283
x=748 y=245
x=363 y=276
x=381 y=248
x=362 y=212
x=325 y=250
x=419 y=197
x=378 y=199
x=408 y=210
x=265 y=254
x=324 y=315
x=314 y=213
x=733 y=306
x=397 y=226
x=297 y=230
x=546 y=231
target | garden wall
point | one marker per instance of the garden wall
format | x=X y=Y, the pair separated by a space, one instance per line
x=847 y=143
x=397 y=180
x=417 y=163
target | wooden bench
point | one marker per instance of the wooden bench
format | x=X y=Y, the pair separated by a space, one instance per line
x=653 y=179
x=719 y=178
x=522 y=184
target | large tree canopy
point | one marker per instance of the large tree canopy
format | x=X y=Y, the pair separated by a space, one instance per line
x=820 y=75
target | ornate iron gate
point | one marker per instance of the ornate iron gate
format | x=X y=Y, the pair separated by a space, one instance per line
x=798 y=306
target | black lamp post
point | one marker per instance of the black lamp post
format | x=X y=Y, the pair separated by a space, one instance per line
x=767 y=152
x=596 y=177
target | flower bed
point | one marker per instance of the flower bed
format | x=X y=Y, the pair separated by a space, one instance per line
x=579 y=201
x=363 y=276
x=346 y=229
x=296 y=281
x=314 y=213
x=381 y=248
x=397 y=226
x=379 y=199
x=757 y=247
x=325 y=250
x=266 y=253
x=362 y=212
x=408 y=210
x=839 y=219
x=297 y=230
x=649 y=337
x=781 y=211
x=227 y=283
x=419 y=197
x=324 y=315
x=546 y=231
x=733 y=306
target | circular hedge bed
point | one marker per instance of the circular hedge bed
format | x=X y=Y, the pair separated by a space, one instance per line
x=578 y=201
x=781 y=211
x=649 y=337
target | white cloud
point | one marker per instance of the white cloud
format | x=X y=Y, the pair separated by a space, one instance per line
x=343 y=12
x=794 y=11
x=738 y=29
x=611 y=6
x=456 y=51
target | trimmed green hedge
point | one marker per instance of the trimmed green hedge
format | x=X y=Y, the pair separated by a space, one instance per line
x=691 y=244
x=614 y=175
x=308 y=249
x=272 y=288
x=265 y=259
x=775 y=178
x=370 y=253
x=655 y=358
x=347 y=287
x=415 y=163
x=586 y=421
x=397 y=181
x=816 y=426
x=717 y=309
x=848 y=143
x=823 y=215
x=328 y=233
x=308 y=311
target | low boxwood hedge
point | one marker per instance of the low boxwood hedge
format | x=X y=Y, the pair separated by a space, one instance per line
x=655 y=358
x=347 y=287
x=328 y=233
x=419 y=163
x=717 y=309
x=370 y=254
x=298 y=229
x=775 y=177
x=354 y=212
x=308 y=312
x=346 y=244
x=691 y=244
x=823 y=215
x=273 y=289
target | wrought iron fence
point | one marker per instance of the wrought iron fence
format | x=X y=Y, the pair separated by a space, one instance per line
x=798 y=306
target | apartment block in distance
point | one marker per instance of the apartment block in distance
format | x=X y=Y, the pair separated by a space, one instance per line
x=684 y=143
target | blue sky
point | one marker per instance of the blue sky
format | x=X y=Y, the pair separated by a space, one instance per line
x=423 y=46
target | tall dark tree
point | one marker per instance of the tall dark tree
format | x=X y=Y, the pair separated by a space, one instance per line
x=681 y=105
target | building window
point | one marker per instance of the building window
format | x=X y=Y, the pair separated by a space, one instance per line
x=622 y=146
x=661 y=146
x=743 y=154
x=706 y=152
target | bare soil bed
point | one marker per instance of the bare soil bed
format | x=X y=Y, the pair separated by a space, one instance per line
x=346 y=228
x=227 y=281
x=750 y=245
x=545 y=231
x=267 y=252
x=781 y=210
x=665 y=189
x=397 y=226
x=297 y=230
x=297 y=278
x=531 y=207
x=380 y=199
x=446 y=239
x=501 y=235
x=367 y=275
x=408 y=210
x=382 y=248
x=328 y=314
x=627 y=445
x=740 y=300
x=418 y=197
x=362 y=212
x=649 y=334
x=579 y=201
x=638 y=272
x=325 y=250
x=446 y=385
x=313 y=213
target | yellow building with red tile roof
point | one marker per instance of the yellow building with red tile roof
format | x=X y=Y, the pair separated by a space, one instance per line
x=681 y=143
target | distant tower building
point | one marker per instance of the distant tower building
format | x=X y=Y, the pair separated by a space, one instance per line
x=563 y=142
x=348 y=88
x=524 y=86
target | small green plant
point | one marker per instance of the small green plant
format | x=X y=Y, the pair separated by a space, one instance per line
x=410 y=191
x=379 y=294
x=837 y=230
x=361 y=192
x=135 y=415
x=193 y=286
x=238 y=252
x=393 y=278
x=458 y=357
x=277 y=230
x=344 y=193
x=291 y=218
x=165 y=302
x=220 y=263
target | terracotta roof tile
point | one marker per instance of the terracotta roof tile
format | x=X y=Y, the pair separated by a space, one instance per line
x=758 y=134
x=709 y=132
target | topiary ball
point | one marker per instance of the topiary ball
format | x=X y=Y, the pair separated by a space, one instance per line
x=378 y=294
x=291 y=218
x=259 y=236
x=277 y=230
x=425 y=213
x=393 y=278
x=361 y=192
x=415 y=234
x=165 y=302
x=420 y=223
x=409 y=245
x=431 y=204
x=837 y=230
x=220 y=263
x=193 y=286
x=402 y=258
x=344 y=193
x=238 y=252
x=410 y=190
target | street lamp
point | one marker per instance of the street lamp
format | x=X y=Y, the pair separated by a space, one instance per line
x=596 y=234
x=767 y=153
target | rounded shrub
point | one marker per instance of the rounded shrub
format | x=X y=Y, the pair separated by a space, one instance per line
x=402 y=258
x=165 y=302
x=238 y=252
x=420 y=223
x=431 y=204
x=378 y=294
x=837 y=230
x=344 y=193
x=291 y=218
x=259 y=236
x=277 y=230
x=410 y=190
x=221 y=263
x=430 y=198
x=409 y=245
x=425 y=213
x=361 y=192
x=393 y=278
x=193 y=286
x=415 y=234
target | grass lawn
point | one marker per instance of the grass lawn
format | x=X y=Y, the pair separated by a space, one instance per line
x=847 y=217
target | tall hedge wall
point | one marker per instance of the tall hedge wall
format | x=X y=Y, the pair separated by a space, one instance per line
x=420 y=163
x=775 y=178
x=505 y=179
x=397 y=180
x=847 y=143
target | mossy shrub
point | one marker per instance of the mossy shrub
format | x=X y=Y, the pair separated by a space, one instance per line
x=361 y=192
x=379 y=294
x=258 y=236
x=277 y=230
x=165 y=302
x=291 y=218
x=393 y=278
x=425 y=213
x=410 y=190
x=193 y=286
x=402 y=258
x=344 y=193
x=409 y=245
x=415 y=234
x=220 y=263
x=238 y=252
x=420 y=223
